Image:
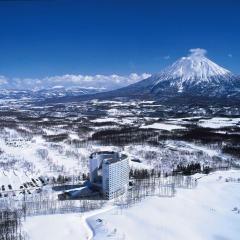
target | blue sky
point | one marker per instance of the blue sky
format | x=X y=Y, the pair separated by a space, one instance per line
x=57 y=37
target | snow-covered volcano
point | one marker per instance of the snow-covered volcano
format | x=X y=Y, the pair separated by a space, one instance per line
x=194 y=73
x=195 y=67
x=191 y=76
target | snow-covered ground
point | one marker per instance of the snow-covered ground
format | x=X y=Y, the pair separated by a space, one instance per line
x=214 y=123
x=36 y=156
x=210 y=211
x=219 y=122
x=171 y=153
x=163 y=126
x=59 y=227
x=62 y=226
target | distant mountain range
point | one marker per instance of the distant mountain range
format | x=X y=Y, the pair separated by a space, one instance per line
x=48 y=93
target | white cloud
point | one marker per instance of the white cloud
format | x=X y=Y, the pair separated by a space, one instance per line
x=107 y=82
x=3 y=80
x=230 y=55
x=198 y=52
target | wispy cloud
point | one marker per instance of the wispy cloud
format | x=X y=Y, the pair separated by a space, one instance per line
x=166 y=57
x=107 y=82
x=3 y=80
x=230 y=55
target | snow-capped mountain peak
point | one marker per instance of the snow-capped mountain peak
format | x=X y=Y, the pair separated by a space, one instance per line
x=194 y=70
x=195 y=66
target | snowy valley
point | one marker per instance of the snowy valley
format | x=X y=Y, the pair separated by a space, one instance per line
x=45 y=147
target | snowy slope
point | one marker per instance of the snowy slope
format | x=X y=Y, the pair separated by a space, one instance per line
x=210 y=211
x=53 y=227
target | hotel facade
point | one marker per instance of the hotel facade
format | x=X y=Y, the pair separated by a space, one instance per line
x=109 y=173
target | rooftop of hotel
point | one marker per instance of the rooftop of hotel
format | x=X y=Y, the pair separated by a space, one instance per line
x=109 y=156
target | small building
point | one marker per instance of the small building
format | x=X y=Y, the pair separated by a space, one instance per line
x=109 y=173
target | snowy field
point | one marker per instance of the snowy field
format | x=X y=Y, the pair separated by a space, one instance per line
x=60 y=227
x=210 y=211
x=44 y=143
x=163 y=126
x=47 y=143
x=219 y=122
